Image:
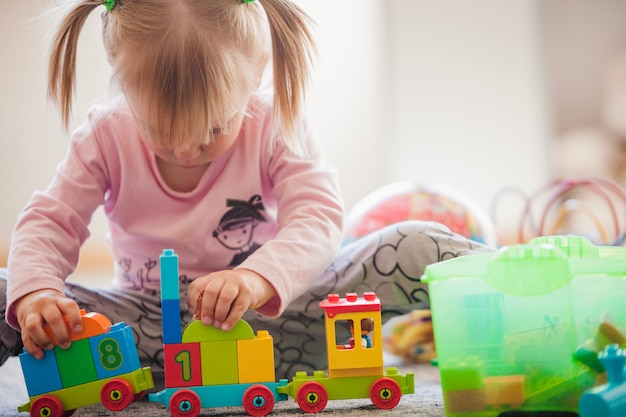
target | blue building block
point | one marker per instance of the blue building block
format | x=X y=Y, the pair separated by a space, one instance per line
x=214 y=396
x=41 y=375
x=608 y=400
x=115 y=352
x=170 y=317
x=169 y=275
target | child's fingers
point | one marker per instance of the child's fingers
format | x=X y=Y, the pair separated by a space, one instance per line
x=71 y=311
x=34 y=335
x=225 y=300
x=209 y=302
x=57 y=328
x=31 y=346
x=237 y=310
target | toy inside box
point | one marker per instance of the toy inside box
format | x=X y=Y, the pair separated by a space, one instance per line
x=520 y=329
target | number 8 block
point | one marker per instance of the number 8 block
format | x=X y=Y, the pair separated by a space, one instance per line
x=115 y=353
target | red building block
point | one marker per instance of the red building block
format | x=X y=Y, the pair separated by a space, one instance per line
x=183 y=365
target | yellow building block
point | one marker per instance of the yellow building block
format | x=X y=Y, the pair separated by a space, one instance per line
x=219 y=362
x=256 y=358
x=505 y=390
x=344 y=361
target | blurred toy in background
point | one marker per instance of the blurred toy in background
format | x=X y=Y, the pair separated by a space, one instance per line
x=410 y=336
x=590 y=207
x=607 y=400
x=589 y=354
x=405 y=200
x=598 y=149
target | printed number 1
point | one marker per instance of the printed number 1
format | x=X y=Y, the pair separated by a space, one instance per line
x=184 y=359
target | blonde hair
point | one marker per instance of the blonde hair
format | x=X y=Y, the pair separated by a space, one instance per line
x=185 y=60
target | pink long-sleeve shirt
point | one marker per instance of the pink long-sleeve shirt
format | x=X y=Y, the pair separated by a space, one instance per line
x=257 y=207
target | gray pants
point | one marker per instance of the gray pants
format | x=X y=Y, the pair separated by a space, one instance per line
x=389 y=262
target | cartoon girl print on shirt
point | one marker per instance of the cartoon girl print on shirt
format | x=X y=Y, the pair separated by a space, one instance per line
x=237 y=225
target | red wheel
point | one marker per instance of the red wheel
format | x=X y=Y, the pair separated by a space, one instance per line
x=47 y=406
x=312 y=397
x=385 y=393
x=185 y=403
x=258 y=400
x=139 y=396
x=117 y=394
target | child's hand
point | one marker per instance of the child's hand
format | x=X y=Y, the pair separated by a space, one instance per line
x=226 y=295
x=42 y=307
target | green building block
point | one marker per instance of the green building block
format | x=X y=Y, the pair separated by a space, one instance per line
x=466 y=375
x=219 y=362
x=196 y=331
x=76 y=363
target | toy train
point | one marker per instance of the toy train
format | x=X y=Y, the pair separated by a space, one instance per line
x=101 y=366
x=208 y=368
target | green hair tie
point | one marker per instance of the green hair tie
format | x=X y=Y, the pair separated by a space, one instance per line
x=248 y=1
x=109 y=4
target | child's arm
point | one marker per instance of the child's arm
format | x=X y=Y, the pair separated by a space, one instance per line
x=42 y=307
x=227 y=295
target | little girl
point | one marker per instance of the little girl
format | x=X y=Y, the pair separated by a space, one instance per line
x=191 y=156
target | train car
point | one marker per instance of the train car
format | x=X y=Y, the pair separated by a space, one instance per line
x=206 y=367
x=355 y=368
x=101 y=366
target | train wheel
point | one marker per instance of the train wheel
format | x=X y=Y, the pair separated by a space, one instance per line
x=139 y=396
x=312 y=397
x=117 y=394
x=258 y=400
x=185 y=403
x=385 y=393
x=47 y=406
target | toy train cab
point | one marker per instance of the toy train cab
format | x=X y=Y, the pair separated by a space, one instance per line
x=362 y=316
x=355 y=369
x=101 y=366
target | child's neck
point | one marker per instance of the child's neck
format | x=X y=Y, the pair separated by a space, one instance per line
x=179 y=178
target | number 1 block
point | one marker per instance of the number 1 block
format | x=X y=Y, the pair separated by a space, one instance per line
x=183 y=365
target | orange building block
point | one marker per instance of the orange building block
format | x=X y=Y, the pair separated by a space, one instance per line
x=505 y=390
x=93 y=325
x=256 y=358
x=464 y=401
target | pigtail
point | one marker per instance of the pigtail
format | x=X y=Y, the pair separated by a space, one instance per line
x=62 y=60
x=293 y=49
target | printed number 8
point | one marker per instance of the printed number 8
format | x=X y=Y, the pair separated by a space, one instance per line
x=110 y=356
